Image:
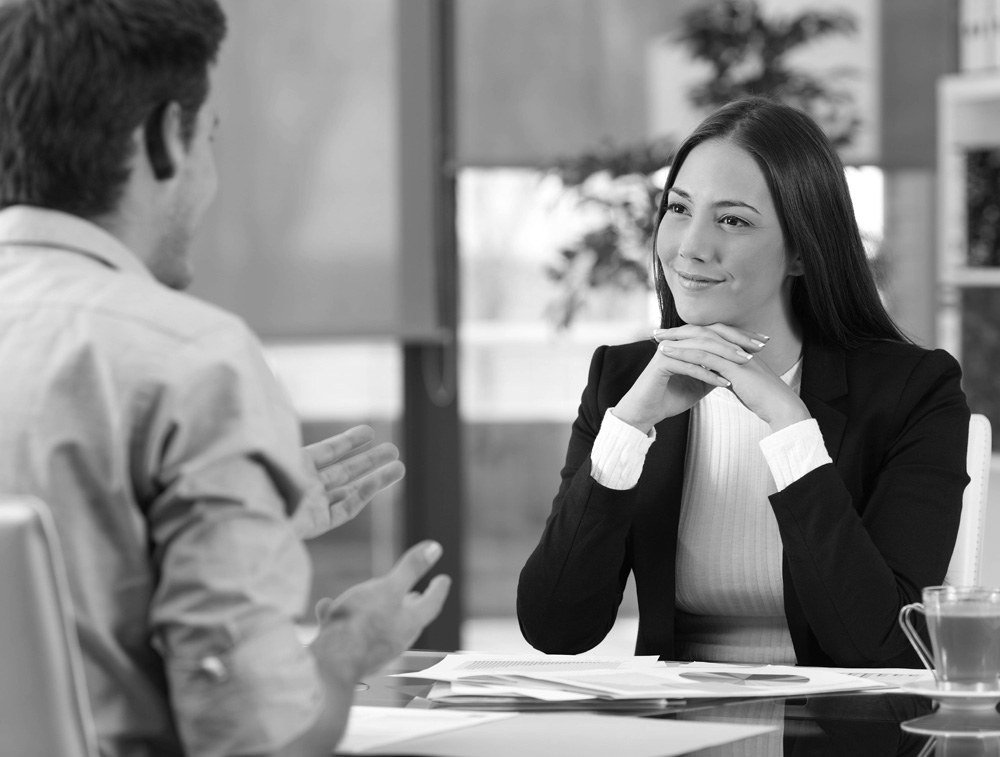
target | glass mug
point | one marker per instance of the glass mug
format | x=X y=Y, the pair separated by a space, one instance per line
x=964 y=625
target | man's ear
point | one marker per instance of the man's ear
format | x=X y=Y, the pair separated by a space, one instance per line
x=164 y=143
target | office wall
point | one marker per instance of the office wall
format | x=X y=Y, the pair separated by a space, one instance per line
x=539 y=80
x=305 y=238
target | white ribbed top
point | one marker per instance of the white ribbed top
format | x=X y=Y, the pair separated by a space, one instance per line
x=729 y=594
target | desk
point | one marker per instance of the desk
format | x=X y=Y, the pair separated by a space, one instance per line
x=846 y=725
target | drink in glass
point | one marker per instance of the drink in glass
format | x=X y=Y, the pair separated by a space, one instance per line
x=964 y=626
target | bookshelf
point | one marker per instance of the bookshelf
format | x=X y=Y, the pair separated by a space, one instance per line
x=968 y=270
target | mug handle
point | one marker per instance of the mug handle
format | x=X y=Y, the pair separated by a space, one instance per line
x=913 y=636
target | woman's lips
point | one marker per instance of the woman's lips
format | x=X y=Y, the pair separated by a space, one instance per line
x=694 y=282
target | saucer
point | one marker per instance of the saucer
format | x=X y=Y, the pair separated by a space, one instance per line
x=953 y=699
x=968 y=723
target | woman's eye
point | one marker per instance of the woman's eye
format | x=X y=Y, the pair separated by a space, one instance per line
x=675 y=207
x=734 y=221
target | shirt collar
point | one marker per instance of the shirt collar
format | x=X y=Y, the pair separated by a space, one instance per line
x=793 y=376
x=27 y=225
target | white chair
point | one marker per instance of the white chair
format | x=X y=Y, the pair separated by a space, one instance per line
x=967 y=557
x=44 y=708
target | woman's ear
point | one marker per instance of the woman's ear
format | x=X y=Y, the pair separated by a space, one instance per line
x=164 y=141
x=795 y=267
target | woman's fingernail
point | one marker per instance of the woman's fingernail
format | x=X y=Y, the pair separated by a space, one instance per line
x=758 y=343
x=744 y=355
x=433 y=551
x=664 y=347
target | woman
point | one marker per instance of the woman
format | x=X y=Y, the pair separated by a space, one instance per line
x=779 y=467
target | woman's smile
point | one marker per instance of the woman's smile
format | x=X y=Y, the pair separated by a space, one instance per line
x=694 y=282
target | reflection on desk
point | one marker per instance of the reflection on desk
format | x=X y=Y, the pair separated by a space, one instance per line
x=854 y=725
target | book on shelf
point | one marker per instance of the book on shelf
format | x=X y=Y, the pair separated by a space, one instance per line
x=978 y=35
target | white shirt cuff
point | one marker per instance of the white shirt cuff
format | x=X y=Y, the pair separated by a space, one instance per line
x=794 y=451
x=619 y=452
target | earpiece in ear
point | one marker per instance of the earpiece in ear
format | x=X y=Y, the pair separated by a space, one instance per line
x=156 y=147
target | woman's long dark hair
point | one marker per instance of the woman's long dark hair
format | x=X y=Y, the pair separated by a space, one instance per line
x=835 y=300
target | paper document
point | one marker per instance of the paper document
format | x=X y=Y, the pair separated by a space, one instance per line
x=891 y=677
x=528 y=689
x=894 y=677
x=634 y=678
x=463 y=666
x=514 y=699
x=577 y=734
x=371 y=727
x=684 y=682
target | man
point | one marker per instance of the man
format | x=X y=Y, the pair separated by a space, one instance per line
x=149 y=422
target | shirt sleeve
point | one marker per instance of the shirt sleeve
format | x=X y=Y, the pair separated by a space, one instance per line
x=619 y=452
x=224 y=458
x=794 y=451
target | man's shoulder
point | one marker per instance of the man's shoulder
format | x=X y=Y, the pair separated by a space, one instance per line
x=168 y=315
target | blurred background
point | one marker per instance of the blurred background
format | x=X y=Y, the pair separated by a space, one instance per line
x=432 y=211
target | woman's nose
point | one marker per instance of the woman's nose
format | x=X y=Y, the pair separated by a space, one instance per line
x=694 y=245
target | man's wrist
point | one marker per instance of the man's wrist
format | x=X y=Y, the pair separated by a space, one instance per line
x=339 y=661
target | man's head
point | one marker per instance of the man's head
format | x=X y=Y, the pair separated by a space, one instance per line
x=92 y=91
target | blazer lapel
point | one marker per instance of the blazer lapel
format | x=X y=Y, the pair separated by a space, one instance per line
x=824 y=382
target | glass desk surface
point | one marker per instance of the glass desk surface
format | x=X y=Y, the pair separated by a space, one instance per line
x=855 y=724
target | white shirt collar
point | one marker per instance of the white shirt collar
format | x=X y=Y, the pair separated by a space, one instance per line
x=26 y=225
x=793 y=376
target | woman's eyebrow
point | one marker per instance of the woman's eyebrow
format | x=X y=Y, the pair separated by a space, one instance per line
x=719 y=203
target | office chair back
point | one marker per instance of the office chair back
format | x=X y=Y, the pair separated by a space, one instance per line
x=44 y=708
x=967 y=557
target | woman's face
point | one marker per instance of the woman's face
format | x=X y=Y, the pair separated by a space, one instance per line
x=720 y=243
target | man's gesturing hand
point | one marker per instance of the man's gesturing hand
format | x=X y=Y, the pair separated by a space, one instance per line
x=348 y=476
x=372 y=623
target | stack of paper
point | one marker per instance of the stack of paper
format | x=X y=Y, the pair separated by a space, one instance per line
x=500 y=680
x=471 y=680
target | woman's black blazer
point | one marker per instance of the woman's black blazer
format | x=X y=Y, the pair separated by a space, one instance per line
x=860 y=536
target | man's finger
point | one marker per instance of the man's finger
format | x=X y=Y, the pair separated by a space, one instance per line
x=345 y=471
x=427 y=606
x=368 y=486
x=347 y=508
x=346 y=502
x=323 y=609
x=412 y=566
x=333 y=448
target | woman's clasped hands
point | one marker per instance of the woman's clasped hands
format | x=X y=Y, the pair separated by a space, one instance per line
x=691 y=361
